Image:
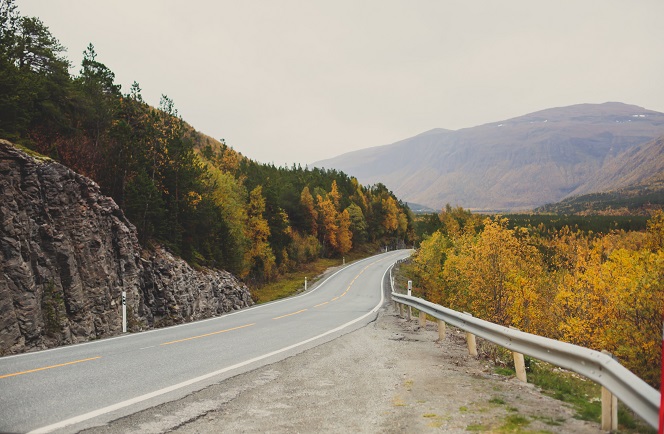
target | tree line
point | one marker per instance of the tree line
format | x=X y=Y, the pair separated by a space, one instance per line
x=196 y=195
x=599 y=290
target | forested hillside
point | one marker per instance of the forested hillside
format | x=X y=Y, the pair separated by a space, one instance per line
x=193 y=194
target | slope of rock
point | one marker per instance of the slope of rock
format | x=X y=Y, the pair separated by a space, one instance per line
x=66 y=254
x=639 y=165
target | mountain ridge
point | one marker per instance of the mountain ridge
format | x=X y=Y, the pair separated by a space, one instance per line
x=519 y=163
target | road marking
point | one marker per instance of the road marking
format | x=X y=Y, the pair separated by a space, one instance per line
x=138 y=399
x=145 y=348
x=216 y=318
x=322 y=304
x=354 y=279
x=208 y=334
x=290 y=314
x=48 y=367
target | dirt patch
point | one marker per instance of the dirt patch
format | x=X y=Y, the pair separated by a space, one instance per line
x=390 y=376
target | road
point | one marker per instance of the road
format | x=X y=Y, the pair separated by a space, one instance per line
x=70 y=388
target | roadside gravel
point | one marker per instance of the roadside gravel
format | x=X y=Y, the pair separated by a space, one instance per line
x=390 y=377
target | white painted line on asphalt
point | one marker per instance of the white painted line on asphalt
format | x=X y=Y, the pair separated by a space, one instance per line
x=136 y=400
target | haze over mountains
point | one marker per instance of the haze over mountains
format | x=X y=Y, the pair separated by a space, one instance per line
x=520 y=163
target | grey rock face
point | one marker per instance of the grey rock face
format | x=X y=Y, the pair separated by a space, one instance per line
x=66 y=254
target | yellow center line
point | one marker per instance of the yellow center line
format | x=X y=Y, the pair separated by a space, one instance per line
x=353 y=281
x=289 y=314
x=49 y=367
x=322 y=304
x=208 y=334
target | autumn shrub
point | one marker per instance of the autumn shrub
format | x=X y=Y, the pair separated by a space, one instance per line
x=602 y=291
x=304 y=248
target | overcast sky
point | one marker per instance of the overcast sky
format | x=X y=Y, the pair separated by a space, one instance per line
x=300 y=81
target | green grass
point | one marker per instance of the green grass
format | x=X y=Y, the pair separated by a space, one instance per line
x=34 y=154
x=583 y=395
x=293 y=282
x=549 y=420
x=514 y=422
x=570 y=388
x=500 y=370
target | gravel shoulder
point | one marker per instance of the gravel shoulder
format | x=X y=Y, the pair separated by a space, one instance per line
x=391 y=376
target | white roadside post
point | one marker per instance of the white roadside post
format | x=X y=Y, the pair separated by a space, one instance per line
x=124 y=312
x=305 y=283
x=410 y=289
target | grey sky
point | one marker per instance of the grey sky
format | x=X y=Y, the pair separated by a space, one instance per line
x=299 y=81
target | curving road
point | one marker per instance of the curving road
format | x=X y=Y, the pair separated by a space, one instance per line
x=70 y=388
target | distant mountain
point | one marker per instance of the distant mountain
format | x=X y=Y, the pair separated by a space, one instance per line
x=632 y=182
x=520 y=163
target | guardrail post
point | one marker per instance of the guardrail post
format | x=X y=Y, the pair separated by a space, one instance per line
x=470 y=340
x=609 y=407
x=441 y=329
x=401 y=314
x=423 y=319
x=519 y=364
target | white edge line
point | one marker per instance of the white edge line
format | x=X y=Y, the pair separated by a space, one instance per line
x=127 y=403
x=225 y=315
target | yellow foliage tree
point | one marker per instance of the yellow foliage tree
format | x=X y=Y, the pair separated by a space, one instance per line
x=328 y=215
x=634 y=306
x=307 y=202
x=335 y=195
x=503 y=277
x=259 y=256
x=391 y=210
x=604 y=292
x=344 y=234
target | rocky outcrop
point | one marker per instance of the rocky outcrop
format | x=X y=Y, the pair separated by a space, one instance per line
x=67 y=253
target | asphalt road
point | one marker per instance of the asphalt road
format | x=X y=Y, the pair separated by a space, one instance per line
x=70 y=388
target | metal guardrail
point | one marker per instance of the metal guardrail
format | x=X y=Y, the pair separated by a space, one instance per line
x=598 y=367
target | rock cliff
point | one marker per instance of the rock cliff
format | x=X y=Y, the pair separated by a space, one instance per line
x=66 y=254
